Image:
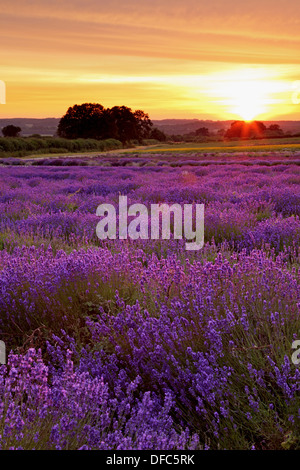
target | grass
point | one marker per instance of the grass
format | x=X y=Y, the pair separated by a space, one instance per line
x=23 y=146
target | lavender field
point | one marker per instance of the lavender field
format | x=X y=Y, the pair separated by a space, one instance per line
x=140 y=344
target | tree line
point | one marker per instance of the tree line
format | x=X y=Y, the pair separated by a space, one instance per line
x=93 y=121
x=252 y=130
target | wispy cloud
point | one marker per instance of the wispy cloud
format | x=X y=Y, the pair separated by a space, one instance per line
x=153 y=54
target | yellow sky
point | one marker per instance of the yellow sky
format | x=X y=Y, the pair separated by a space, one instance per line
x=222 y=59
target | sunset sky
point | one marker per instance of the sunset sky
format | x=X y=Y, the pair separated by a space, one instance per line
x=216 y=59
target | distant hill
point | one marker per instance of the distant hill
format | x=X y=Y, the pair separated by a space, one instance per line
x=29 y=126
x=48 y=126
x=185 y=126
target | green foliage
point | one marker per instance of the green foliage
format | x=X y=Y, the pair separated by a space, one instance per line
x=22 y=146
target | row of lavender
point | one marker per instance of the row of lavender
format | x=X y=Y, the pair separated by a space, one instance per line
x=142 y=345
x=247 y=207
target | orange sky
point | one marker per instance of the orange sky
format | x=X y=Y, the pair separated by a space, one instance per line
x=216 y=59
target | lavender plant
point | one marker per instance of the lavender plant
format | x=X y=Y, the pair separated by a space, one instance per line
x=139 y=344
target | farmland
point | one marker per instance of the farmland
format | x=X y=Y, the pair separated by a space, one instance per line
x=140 y=344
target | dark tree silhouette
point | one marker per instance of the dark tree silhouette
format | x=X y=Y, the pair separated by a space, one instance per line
x=123 y=124
x=11 y=131
x=274 y=127
x=246 y=130
x=92 y=120
x=274 y=130
x=157 y=134
x=86 y=121
x=202 y=131
x=144 y=124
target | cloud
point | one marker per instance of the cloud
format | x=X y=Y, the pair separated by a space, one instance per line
x=267 y=18
x=136 y=50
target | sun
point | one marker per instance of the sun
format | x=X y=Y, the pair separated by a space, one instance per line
x=247 y=99
x=247 y=94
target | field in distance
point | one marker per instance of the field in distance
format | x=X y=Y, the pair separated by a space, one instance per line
x=259 y=145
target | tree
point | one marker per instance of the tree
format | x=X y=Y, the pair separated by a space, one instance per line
x=11 y=131
x=123 y=124
x=274 y=130
x=144 y=124
x=157 y=134
x=202 y=131
x=246 y=130
x=86 y=121
x=92 y=120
